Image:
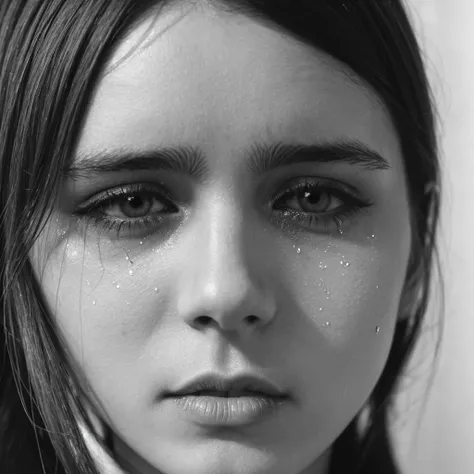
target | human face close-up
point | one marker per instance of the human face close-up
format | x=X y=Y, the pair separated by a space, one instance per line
x=237 y=206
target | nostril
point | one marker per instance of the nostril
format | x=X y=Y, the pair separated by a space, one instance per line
x=203 y=320
x=252 y=319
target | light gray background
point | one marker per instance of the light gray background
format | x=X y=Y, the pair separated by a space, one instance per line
x=439 y=438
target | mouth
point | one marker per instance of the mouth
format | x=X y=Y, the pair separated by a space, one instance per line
x=229 y=394
x=223 y=408
x=216 y=386
x=212 y=400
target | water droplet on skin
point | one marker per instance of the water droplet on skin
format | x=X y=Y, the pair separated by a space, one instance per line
x=156 y=290
x=298 y=250
x=118 y=286
x=130 y=272
x=320 y=309
x=141 y=242
x=327 y=324
x=322 y=266
x=94 y=303
x=377 y=329
x=128 y=304
x=88 y=283
x=376 y=287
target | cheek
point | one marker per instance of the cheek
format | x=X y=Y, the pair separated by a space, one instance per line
x=348 y=295
x=352 y=290
x=350 y=287
x=100 y=300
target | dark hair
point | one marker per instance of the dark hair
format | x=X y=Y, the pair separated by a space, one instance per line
x=52 y=54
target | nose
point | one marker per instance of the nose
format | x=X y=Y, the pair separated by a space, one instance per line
x=225 y=281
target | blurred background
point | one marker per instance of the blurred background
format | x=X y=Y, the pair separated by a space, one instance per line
x=435 y=415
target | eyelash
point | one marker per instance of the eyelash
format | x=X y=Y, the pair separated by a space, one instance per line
x=114 y=196
x=352 y=205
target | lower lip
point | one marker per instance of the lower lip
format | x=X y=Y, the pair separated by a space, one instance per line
x=229 y=411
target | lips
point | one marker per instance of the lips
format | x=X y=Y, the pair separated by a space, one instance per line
x=230 y=393
x=214 y=385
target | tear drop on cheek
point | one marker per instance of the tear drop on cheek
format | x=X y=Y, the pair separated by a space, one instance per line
x=60 y=232
x=298 y=249
x=371 y=238
x=127 y=257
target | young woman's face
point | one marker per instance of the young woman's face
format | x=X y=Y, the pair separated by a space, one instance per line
x=237 y=205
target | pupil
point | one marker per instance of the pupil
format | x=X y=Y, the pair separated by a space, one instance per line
x=312 y=198
x=135 y=201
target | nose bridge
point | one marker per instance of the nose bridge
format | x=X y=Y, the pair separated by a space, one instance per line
x=223 y=260
x=222 y=282
x=226 y=250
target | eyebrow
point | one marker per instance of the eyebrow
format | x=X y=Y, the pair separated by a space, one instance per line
x=262 y=158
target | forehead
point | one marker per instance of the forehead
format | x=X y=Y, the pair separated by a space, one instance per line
x=200 y=76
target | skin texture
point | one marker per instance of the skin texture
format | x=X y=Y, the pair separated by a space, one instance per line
x=128 y=304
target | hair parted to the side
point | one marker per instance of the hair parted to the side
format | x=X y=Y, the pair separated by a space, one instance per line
x=52 y=54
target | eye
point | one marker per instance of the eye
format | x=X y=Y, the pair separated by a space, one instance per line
x=311 y=202
x=133 y=206
x=315 y=201
x=130 y=210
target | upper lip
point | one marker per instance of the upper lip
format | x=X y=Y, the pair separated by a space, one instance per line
x=235 y=386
